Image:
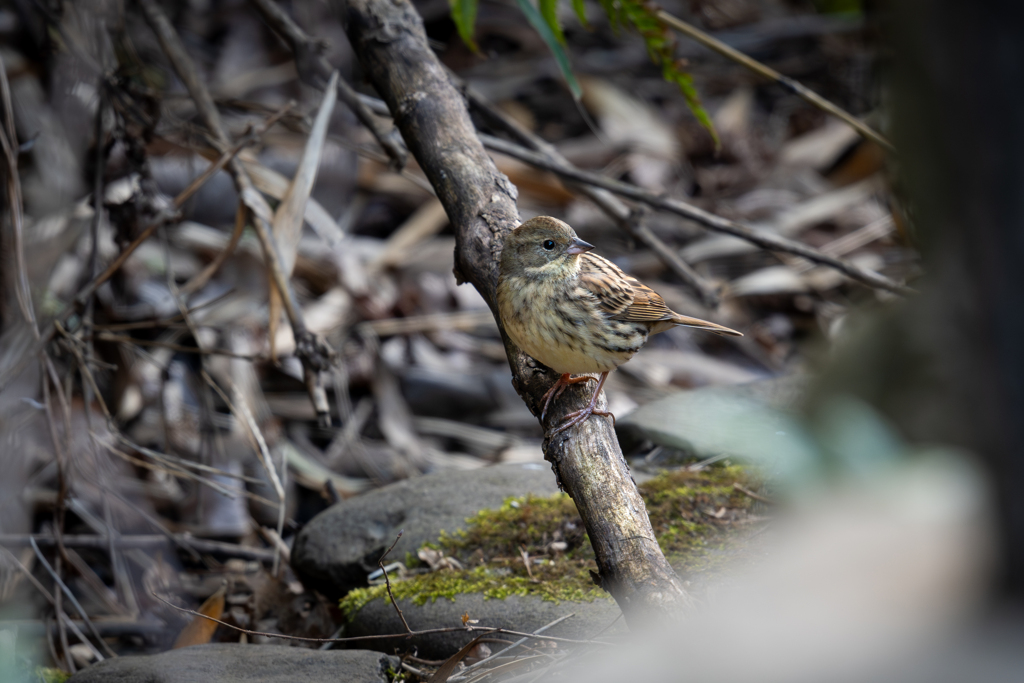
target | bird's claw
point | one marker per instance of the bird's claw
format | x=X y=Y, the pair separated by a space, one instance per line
x=558 y=387
x=576 y=417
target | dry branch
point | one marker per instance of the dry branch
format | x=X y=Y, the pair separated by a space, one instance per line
x=309 y=348
x=793 y=86
x=760 y=238
x=389 y=38
x=314 y=70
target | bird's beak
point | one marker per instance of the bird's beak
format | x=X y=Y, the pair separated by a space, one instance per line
x=578 y=246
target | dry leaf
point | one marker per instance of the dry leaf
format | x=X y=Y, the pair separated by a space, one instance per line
x=288 y=218
x=200 y=630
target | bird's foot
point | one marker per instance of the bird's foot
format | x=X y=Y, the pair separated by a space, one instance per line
x=559 y=386
x=576 y=417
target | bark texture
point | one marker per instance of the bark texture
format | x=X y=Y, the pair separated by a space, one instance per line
x=431 y=114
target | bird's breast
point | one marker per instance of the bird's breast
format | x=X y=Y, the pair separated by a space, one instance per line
x=560 y=325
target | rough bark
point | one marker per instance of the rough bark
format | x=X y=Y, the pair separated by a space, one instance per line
x=431 y=114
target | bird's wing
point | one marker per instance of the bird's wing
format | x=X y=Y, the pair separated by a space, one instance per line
x=621 y=296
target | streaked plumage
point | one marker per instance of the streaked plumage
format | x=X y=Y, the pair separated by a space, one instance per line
x=575 y=311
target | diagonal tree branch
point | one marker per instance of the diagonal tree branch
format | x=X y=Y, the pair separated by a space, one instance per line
x=431 y=114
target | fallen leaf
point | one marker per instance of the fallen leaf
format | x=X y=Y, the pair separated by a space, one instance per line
x=200 y=630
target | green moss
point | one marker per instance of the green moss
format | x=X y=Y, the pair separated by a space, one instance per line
x=395 y=676
x=48 y=675
x=682 y=505
x=494 y=583
x=691 y=513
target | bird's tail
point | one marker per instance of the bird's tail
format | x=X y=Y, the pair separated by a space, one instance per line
x=697 y=323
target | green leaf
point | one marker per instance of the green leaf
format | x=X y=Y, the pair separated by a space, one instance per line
x=464 y=16
x=581 y=11
x=611 y=8
x=661 y=47
x=548 y=10
x=673 y=74
x=541 y=26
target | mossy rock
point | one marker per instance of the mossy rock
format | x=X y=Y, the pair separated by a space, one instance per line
x=336 y=550
x=696 y=516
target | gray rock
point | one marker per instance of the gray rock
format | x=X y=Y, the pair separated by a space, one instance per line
x=230 y=662
x=738 y=420
x=340 y=546
x=518 y=613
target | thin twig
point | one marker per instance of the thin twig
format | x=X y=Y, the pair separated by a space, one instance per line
x=385 y=636
x=793 y=86
x=312 y=350
x=315 y=70
x=71 y=597
x=63 y=619
x=511 y=647
x=226 y=156
x=756 y=496
x=387 y=582
x=144 y=541
x=106 y=336
x=707 y=219
x=240 y=409
x=9 y=142
x=162 y=322
x=761 y=238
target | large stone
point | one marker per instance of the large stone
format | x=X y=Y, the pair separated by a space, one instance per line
x=734 y=420
x=518 y=613
x=340 y=546
x=230 y=662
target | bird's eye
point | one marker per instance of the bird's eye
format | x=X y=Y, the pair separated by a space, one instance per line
x=549 y=244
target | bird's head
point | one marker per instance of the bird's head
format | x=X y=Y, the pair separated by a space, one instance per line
x=541 y=246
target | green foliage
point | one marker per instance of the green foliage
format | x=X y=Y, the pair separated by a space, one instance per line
x=548 y=33
x=548 y=10
x=581 y=11
x=464 y=16
x=47 y=675
x=850 y=7
x=661 y=47
x=639 y=14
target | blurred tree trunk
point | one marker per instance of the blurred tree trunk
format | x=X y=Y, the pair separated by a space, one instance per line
x=949 y=365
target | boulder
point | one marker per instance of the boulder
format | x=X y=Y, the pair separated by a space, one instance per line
x=338 y=548
x=525 y=613
x=733 y=420
x=232 y=662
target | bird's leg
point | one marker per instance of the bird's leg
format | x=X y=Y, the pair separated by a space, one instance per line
x=558 y=387
x=578 y=416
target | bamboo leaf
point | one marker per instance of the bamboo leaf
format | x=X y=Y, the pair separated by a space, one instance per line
x=541 y=26
x=464 y=16
x=549 y=10
x=581 y=11
x=674 y=74
x=661 y=47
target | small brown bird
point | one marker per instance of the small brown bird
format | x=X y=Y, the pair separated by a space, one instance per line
x=575 y=311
